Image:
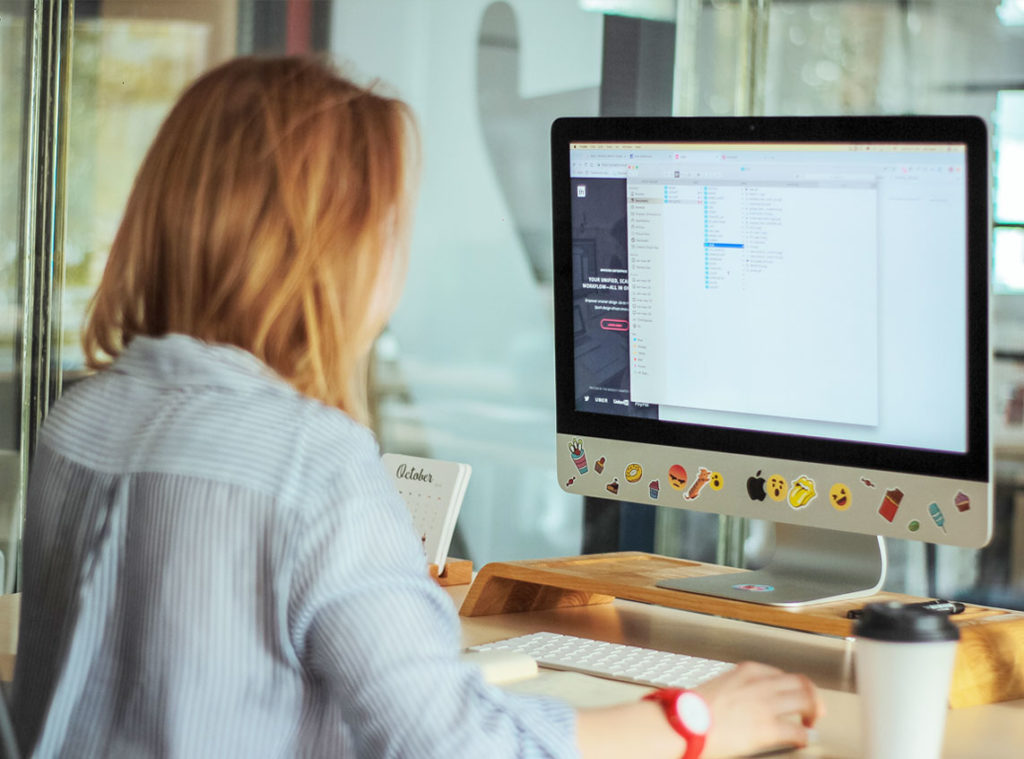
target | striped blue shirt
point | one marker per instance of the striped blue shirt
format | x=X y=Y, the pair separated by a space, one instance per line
x=215 y=565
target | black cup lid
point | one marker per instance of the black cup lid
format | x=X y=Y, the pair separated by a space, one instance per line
x=895 y=622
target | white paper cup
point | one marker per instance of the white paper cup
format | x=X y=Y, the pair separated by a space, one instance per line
x=904 y=664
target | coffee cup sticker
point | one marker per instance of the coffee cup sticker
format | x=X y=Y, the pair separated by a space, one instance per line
x=579 y=456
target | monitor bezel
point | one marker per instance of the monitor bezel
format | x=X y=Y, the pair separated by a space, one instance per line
x=972 y=132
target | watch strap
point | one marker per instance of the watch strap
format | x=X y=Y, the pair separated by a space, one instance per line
x=669 y=698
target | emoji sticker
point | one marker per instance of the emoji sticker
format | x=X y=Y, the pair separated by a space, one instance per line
x=962 y=502
x=599 y=465
x=655 y=487
x=891 y=504
x=777 y=487
x=634 y=472
x=579 y=456
x=703 y=478
x=717 y=483
x=802 y=492
x=613 y=486
x=677 y=477
x=936 y=514
x=839 y=497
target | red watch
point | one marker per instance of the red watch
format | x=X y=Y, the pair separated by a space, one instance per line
x=688 y=714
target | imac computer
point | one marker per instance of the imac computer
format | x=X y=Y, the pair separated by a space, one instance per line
x=778 y=318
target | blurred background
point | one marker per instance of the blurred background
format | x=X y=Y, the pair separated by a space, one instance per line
x=465 y=369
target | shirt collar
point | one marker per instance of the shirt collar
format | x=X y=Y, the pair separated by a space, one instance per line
x=181 y=360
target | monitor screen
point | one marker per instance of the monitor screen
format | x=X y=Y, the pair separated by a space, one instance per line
x=785 y=311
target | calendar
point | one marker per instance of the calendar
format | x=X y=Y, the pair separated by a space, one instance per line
x=433 y=491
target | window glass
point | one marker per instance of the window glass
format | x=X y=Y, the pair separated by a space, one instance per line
x=130 y=61
x=939 y=56
x=126 y=74
x=466 y=369
x=15 y=22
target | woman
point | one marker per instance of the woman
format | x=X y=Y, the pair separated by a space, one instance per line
x=216 y=563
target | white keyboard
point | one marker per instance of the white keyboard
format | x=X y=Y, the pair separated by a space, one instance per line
x=615 y=661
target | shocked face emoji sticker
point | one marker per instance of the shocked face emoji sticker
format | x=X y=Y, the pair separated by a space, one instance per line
x=677 y=477
x=776 y=487
x=802 y=492
x=839 y=496
x=716 y=481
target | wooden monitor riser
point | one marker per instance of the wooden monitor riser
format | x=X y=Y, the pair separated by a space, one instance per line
x=990 y=659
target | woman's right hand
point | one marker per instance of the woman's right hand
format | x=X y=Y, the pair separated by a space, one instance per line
x=755 y=707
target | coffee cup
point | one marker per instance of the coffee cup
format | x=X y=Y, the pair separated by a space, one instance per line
x=904 y=665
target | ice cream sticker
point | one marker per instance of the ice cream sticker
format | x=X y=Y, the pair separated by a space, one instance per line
x=936 y=514
x=579 y=456
x=655 y=487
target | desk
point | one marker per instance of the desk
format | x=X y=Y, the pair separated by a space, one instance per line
x=992 y=731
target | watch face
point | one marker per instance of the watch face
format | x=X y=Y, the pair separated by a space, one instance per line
x=694 y=713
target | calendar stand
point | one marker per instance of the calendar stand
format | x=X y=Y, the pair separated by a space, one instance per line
x=455 y=572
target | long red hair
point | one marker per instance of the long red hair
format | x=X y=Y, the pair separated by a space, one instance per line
x=270 y=213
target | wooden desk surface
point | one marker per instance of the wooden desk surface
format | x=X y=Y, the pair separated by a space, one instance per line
x=992 y=731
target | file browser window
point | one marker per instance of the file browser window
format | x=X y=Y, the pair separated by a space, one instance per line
x=772 y=287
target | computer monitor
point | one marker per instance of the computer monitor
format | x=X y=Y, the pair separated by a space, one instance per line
x=778 y=318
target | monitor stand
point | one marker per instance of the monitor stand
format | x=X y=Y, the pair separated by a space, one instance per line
x=810 y=565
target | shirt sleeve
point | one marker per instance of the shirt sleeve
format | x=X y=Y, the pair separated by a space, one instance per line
x=367 y=621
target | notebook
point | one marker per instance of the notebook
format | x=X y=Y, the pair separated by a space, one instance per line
x=433 y=491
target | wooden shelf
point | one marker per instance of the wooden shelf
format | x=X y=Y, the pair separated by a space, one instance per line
x=990 y=660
